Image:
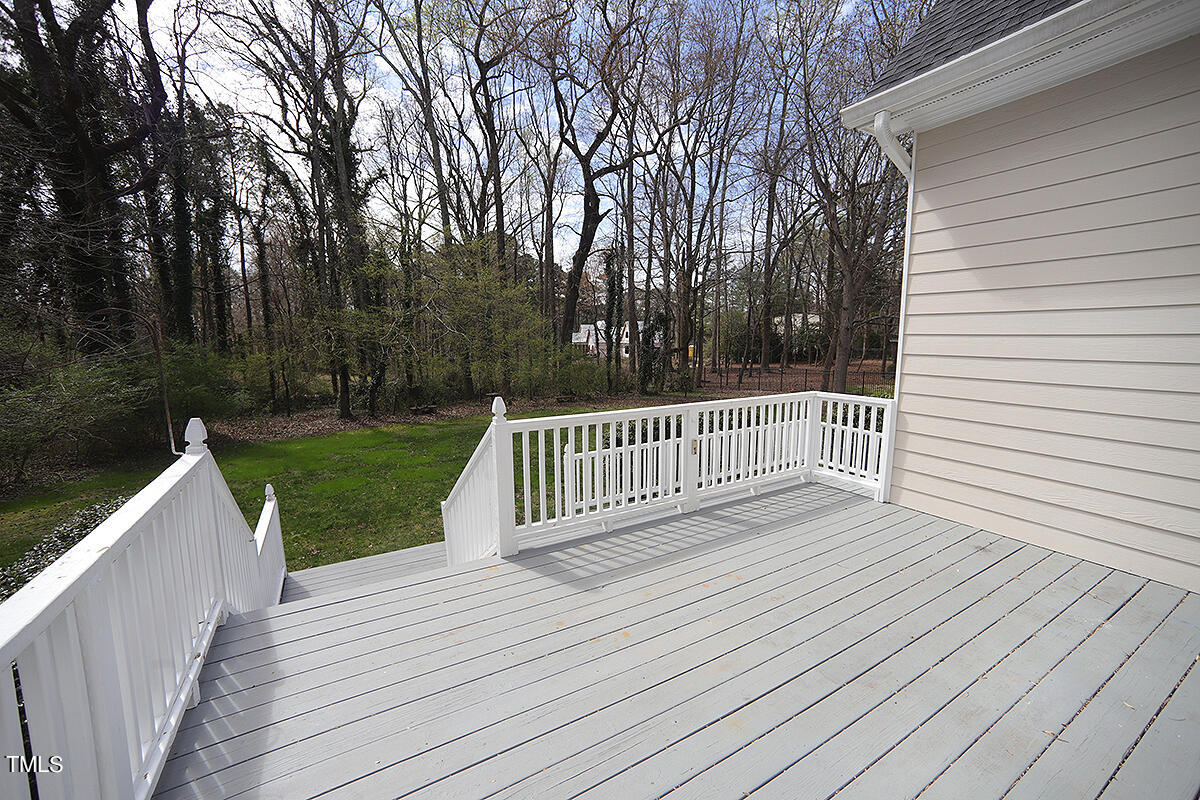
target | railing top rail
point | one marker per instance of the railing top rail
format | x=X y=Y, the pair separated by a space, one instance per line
x=38 y=603
x=855 y=398
x=533 y=423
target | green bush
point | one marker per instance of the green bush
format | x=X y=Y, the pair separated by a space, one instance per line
x=580 y=376
x=54 y=405
x=202 y=383
x=48 y=404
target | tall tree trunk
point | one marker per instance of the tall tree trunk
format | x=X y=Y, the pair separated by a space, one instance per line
x=549 y=270
x=241 y=234
x=631 y=296
x=181 y=219
x=845 y=330
x=264 y=290
x=587 y=236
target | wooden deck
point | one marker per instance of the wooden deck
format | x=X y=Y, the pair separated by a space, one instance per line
x=798 y=644
x=383 y=568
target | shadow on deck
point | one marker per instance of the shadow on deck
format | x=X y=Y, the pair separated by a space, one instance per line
x=801 y=643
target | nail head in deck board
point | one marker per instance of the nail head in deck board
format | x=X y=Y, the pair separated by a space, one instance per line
x=813 y=607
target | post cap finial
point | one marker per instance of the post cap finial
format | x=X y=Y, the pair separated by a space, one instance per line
x=498 y=407
x=196 y=436
x=270 y=492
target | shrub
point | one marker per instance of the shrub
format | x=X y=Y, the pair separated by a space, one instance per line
x=46 y=404
x=580 y=376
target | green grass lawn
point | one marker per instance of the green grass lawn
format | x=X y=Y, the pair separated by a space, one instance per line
x=341 y=496
x=357 y=493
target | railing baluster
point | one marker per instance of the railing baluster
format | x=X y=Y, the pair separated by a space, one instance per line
x=730 y=446
x=575 y=483
x=667 y=441
x=44 y=712
x=525 y=488
x=640 y=438
x=135 y=630
x=611 y=466
x=560 y=476
x=589 y=468
x=72 y=693
x=541 y=475
x=776 y=424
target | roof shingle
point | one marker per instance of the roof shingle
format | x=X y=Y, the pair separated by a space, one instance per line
x=954 y=28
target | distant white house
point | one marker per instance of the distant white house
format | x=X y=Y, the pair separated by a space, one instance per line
x=798 y=321
x=1048 y=384
x=590 y=338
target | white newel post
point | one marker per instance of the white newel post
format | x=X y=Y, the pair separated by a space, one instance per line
x=506 y=510
x=812 y=436
x=196 y=436
x=887 y=446
x=690 y=465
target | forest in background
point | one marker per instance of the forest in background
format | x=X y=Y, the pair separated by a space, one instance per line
x=374 y=204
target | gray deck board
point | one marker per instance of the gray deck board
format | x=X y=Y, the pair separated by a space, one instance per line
x=602 y=611
x=910 y=643
x=994 y=761
x=801 y=643
x=1084 y=756
x=332 y=578
x=1166 y=762
x=633 y=683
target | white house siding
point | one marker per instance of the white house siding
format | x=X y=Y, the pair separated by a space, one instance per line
x=1050 y=385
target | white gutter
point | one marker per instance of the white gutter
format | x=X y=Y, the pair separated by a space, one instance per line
x=891 y=145
x=1076 y=41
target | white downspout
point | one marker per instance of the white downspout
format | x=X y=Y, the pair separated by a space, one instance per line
x=906 y=163
x=891 y=145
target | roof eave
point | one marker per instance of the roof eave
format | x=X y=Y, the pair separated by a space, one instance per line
x=1074 y=42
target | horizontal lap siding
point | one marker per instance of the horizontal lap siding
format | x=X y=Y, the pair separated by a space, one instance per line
x=1051 y=368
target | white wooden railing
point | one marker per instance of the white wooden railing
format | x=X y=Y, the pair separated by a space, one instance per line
x=104 y=647
x=470 y=509
x=574 y=471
